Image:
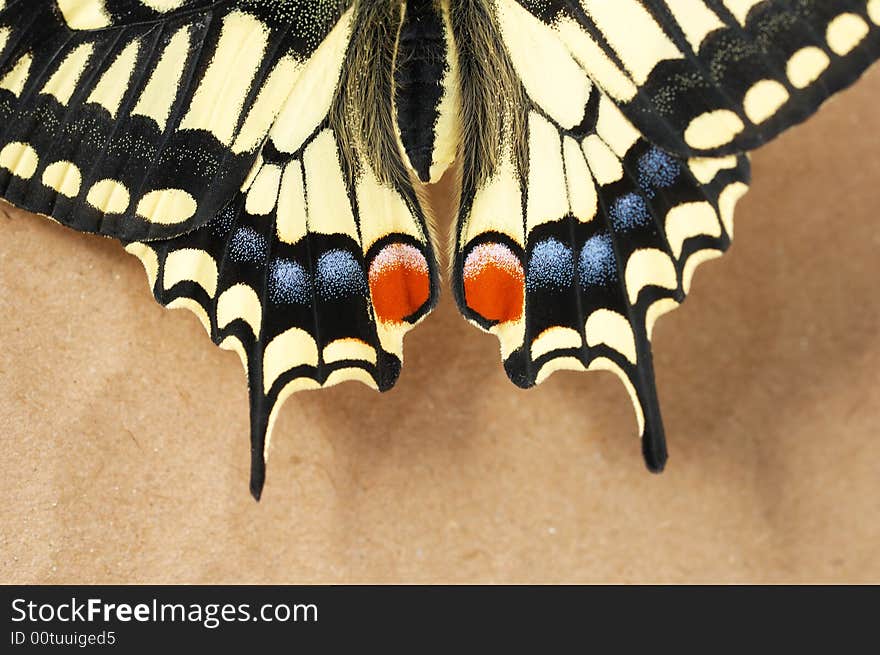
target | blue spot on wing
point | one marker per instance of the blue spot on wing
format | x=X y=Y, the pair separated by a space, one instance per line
x=339 y=275
x=657 y=170
x=596 y=264
x=551 y=266
x=248 y=245
x=628 y=212
x=289 y=283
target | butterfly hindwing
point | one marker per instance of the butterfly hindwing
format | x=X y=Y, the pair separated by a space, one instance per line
x=139 y=120
x=712 y=77
x=585 y=232
x=315 y=269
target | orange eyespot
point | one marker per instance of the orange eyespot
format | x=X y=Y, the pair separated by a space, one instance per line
x=400 y=282
x=494 y=283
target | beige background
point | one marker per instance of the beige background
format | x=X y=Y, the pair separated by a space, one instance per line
x=125 y=457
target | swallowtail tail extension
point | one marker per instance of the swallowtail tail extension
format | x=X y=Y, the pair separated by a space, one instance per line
x=266 y=161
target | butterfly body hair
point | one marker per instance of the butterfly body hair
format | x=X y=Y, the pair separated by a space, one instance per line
x=490 y=93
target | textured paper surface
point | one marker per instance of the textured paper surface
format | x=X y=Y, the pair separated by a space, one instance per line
x=125 y=456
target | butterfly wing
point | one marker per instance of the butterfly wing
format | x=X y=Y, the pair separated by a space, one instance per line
x=715 y=76
x=308 y=253
x=318 y=266
x=139 y=120
x=594 y=207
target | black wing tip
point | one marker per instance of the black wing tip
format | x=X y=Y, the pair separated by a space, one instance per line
x=654 y=451
x=258 y=476
x=654 y=467
x=257 y=487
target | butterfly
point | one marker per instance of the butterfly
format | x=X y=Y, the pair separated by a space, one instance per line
x=267 y=160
